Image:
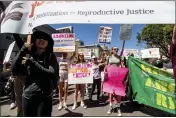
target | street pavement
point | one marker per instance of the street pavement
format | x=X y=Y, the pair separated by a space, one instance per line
x=95 y=109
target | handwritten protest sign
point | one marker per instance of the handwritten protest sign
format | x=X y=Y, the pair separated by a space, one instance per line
x=125 y=31
x=128 y=52
x=105 y=35
x=64 y=42
x=26 y=15
x=9 y=52
x=150 y=53
x=80 y=73
x=116 y=79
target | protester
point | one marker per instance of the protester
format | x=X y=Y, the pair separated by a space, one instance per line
x=40 y=74
x=102 y=65
x=96 y=80
x=173 y=52
x=12 y=96
x=19 y=79
x=80 y=87
x=63 y=73
x=9 y=87
x=114 y=60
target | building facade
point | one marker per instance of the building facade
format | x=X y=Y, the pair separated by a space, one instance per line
x=95 y=50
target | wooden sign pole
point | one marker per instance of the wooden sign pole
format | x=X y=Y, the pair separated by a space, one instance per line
x=29 y=38
x=28 y=42
x=122 y=48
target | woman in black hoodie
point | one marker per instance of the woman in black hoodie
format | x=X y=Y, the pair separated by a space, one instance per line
x=41 y=70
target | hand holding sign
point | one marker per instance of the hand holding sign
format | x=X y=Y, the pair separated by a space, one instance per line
x=24 y=60
x=29 y=46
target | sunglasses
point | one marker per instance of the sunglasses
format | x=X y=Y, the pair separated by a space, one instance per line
x=81 y=55
x=41 y=37
x=115 y=49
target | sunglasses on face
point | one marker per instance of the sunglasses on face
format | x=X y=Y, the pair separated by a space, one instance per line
x=41 y=37
x=81 y=55
x=115 y=49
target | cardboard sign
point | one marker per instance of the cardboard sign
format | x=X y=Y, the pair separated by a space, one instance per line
x=116 y=80
x=105 y=35
x=125 y=31
x=80 y=73
x=128 y=52
x=64 y=42
x=150 y=53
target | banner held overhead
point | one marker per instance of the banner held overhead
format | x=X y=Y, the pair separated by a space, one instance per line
x=25 y=15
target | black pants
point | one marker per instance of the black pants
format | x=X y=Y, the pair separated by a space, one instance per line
x=96 y=82
x=37 y=106
x=12 y=95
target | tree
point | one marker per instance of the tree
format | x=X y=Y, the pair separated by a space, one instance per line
x=156 y=36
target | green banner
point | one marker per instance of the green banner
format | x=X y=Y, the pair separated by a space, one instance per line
x=151 y=86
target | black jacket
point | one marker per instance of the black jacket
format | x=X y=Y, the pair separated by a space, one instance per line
x=40 y=71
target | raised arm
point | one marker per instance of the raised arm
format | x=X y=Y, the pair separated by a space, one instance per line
x=52 y=66
x=19 y=40
x=16 y=62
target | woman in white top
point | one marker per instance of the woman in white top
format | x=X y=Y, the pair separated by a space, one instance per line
x=63 y=74
x=80 y=87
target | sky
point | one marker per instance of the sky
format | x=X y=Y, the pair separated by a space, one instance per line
x=89 y=34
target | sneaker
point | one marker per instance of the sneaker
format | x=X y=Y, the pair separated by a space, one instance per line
x=74 y=106
x=110 y=110
x=119 y=112
x=60 y=106
x=13 y=106
x=91 y=101
x=65 y=105
x=83 y=105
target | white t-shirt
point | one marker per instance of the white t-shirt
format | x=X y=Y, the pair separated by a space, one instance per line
x=64 y=64
x=96 y=71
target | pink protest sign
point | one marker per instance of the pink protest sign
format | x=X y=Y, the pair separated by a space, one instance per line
x=116 y=79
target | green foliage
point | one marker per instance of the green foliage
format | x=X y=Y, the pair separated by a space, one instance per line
x=156 y=36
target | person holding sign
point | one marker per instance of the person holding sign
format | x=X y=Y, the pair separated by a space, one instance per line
x=114 y=60
x=80 y=87
x=41 y=70
x=63 y=73
x=101 y=69
x=96 y=79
